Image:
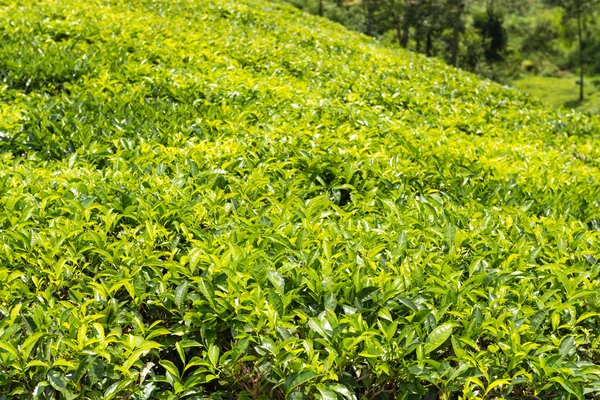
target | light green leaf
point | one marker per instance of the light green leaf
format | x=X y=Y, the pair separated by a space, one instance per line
x=495 y=384
x=277 y=281
x=437 y=337
x=181 y=294
x=327 y=394
x=331 y=302
x=9 y=348
x=213 y=355
x=342 y=390
x=299 y=378
x=57 y=381
x=575 y=390
x=29 y=343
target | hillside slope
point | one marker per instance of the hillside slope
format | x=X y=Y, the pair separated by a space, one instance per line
x=231 y=199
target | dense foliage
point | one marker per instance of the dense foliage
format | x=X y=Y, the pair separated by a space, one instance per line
x=230 y=199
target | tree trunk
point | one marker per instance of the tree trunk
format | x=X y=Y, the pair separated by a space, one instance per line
x=428 y=44
x=580 y=39
x=321 y=11
x=406 y=26
x=398 y=28
x=454 y=45
x=396 y=20
x=368 y=17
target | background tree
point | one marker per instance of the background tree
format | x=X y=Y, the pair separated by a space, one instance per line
x=577 y=10
x=490 y=26
x=456 y=8
x=498 y=39
x=410 y=7
x=430 y=22
x=396 y=7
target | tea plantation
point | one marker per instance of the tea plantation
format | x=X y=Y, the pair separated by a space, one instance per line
x=229 y=199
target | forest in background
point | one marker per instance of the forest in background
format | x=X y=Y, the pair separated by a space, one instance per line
x=504 y=40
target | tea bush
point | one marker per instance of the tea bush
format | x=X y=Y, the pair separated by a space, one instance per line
x=231 y=199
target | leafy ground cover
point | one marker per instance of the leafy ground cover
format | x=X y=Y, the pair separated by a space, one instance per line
x=563 y=92
x=231 y=199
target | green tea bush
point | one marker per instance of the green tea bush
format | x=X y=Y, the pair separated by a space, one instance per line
x=231 y=199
